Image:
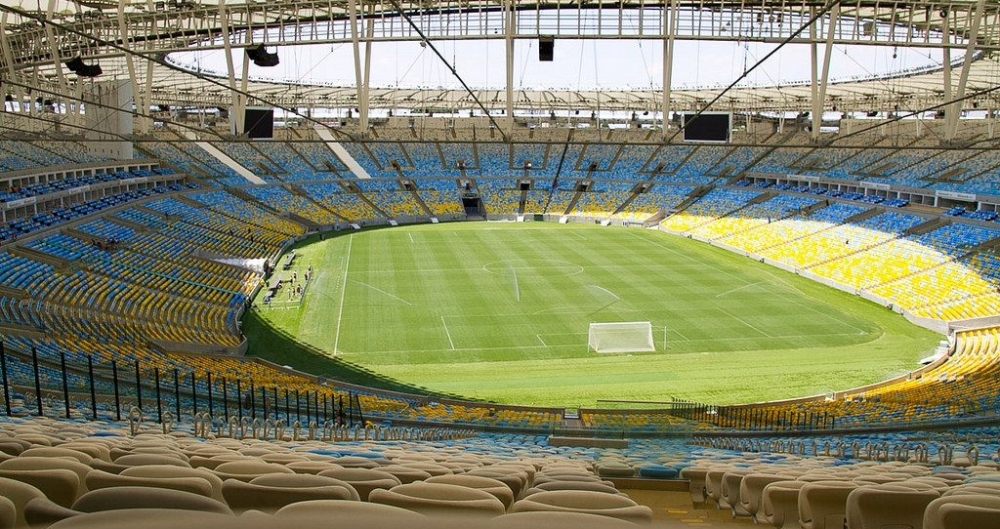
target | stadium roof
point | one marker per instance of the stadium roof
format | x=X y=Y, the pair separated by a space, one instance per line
x=133 y=41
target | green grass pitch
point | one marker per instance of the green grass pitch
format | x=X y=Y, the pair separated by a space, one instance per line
x=500 y=311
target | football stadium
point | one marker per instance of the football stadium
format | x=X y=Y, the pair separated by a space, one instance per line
x=499 y=264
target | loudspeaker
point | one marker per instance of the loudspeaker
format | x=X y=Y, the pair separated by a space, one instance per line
x=77 y=66
x=260 y=56
x=546 y=49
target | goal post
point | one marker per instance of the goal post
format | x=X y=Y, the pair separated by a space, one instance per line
x=621 y=337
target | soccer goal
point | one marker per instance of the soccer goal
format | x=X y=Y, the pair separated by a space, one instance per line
x=621 y=337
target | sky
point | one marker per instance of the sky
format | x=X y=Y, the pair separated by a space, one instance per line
x=577 y=64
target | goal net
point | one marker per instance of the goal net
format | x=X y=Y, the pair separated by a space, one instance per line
x=621 y=337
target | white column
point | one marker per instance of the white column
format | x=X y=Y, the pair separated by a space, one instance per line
x=358 y=76
x=509 y=21
x=955 y=108
x=670 y=24
x=235 y=116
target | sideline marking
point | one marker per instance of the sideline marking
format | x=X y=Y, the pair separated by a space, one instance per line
x=411 y=237
x=343 y=290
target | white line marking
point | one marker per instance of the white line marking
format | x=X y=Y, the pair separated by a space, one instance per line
x=617 y=298
x=577 y=346
x=741 y=320
x=446 y=331
x=343 y=290
x=539 y=336
x=737 y=289
x=828 y=316
x=376 y=289
x=768 y=272
x=679 y=333
x=411 y=237
x=517 y=287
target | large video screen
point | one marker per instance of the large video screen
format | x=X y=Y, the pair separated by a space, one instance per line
x=259 y=123
x=707 y=126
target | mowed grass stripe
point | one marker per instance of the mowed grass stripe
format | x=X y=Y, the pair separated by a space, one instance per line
x=437 y=306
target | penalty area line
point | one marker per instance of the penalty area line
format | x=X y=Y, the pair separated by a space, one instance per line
x=617 y=298
x=376 y=289
x=448 y=333
x=737 y=289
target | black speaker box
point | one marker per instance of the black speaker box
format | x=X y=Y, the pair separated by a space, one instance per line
x=546 y=49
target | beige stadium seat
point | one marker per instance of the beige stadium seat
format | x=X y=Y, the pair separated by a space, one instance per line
x=364 y=480
x=713 y=487
x=541 y=479
x=976 y=486
x=57 y=484
x=168 y=471
x=282 y=458
x=434 y=469
x=155 y=518
x=885 y=506
x=614 y=469
x=405 y=474
x=963 y=511
x=348 y=513
x=141 y=459
x=731 y=481
x=557 y=520
x=95 y=448
x=270 y=492
x=752 y=489
x=779 y=504
x=113 y=468
x=572 y=485
x=19 y=493
x=513 y=478
x=311 y=466
x=356 y=462
x=56 y=451
x=587 y=502
x=696 y=482
x=98 y=479
x=8 y=513
x=41 y=512
x=213 y=462
x=437 y=498
x=45 y=463
x=117 y=498
x=496 y=488
x=248 y=469
x=823 y=504
x=13 y=446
